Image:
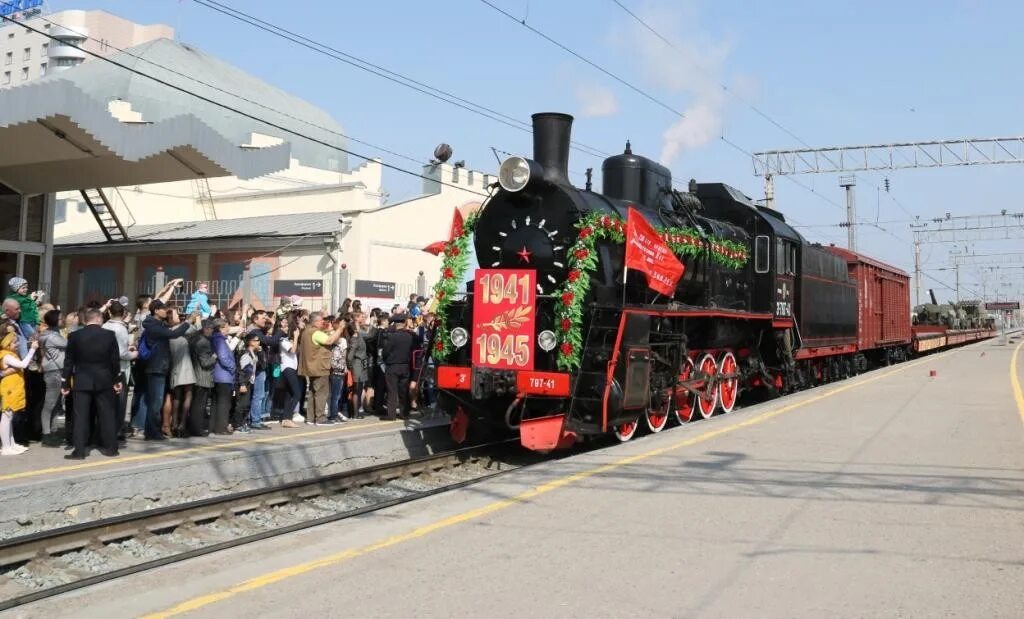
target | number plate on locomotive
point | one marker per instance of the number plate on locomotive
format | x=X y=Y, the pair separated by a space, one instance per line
x=543 y=383
x=504 y=320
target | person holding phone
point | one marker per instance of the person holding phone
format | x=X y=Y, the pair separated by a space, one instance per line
x=157 y=334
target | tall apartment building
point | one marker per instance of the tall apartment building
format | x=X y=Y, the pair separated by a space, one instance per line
x=26 y=55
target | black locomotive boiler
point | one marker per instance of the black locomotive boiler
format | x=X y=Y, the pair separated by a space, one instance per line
x=608 y=354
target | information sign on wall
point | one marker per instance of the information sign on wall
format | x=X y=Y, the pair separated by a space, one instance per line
x=371 y=289
x=313 y=288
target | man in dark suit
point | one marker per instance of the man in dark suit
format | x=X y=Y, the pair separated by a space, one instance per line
x=397 y=355
x=92 y=367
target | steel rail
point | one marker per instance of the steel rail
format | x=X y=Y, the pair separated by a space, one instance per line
x=145 y=524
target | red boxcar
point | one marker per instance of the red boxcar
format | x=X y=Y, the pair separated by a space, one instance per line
x=883 y=305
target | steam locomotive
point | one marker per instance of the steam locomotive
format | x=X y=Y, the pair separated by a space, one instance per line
x=556 y=340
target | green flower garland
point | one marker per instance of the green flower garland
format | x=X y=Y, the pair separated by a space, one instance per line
x=582 y=259
x=453 y=271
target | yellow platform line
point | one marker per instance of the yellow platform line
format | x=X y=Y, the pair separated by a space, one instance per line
x=1018 y=393
x=346 y=555
x=107 y=462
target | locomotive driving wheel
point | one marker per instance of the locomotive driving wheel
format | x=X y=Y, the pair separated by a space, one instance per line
x=685 y=399
x=707 y=393
x=657 y=416
x=729 y=388
x=626 y=431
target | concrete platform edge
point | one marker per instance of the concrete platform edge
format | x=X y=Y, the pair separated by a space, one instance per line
x=34 y=505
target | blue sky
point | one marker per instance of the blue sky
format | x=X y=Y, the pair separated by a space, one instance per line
x=837 y=72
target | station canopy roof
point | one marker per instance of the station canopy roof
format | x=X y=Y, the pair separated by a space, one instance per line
x=100 y=125
x=294 y=224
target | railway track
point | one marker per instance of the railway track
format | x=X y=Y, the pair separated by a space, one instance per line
x=49 y=563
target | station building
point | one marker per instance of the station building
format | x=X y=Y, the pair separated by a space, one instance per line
x=27 y=55
x=137 y=182
x=371 y=252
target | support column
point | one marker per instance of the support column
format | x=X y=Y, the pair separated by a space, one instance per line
x=46 y=261
x=337 y=293
x=958 y=282
x=63 y=288
x=246 y=291
x=917 y=272
x=159 y=279
x=80 y=293
x=203 y=267
x=343 y=277
x=849 y=182
x=769 y=191
x=128 y=279
x=22 y=228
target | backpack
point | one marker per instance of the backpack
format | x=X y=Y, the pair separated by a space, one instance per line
x=145 y=350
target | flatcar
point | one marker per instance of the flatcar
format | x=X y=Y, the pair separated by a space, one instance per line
x=555 y=339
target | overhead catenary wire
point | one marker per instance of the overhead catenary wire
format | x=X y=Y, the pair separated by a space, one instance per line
x=725 y=88
x=650 y=97
x=235 y=110
x=383 y=72
x=239 y=97
x=739 y=98
x=621 y=80
x=643 y=93
x=232 y=94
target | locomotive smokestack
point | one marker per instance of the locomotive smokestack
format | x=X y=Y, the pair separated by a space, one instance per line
x=551 y=133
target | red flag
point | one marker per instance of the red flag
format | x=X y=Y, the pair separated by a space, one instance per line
x=647 y=252
x=437 y=247
x=456 y=225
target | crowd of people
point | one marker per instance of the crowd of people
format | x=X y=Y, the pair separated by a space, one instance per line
x=156 y=371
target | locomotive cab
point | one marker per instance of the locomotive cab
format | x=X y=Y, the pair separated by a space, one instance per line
x=776 y=247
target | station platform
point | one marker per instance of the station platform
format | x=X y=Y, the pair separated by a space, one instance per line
x=41 y=490
x=896 y=493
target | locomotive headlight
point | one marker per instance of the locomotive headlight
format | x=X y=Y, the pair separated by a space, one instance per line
x=459 y=337
x=514 y=174
x=546 y=340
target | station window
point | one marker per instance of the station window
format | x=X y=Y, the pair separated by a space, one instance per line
x=45 y=50
x=762 y=254
x=42 y=70
x=7 y=78
x=9 y=58
x=27 y=54
x=24 y=73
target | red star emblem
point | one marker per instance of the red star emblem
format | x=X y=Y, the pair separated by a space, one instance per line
x=524 y=254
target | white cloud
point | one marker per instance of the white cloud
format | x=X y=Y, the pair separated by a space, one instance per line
x=686 y=75
x=702 y=125
x=596 y=101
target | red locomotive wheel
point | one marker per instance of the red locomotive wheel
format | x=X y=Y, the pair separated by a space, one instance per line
x=684 y=398
x=707 y=399
x=657 y=419
x=729 y=388
x=625 y=431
